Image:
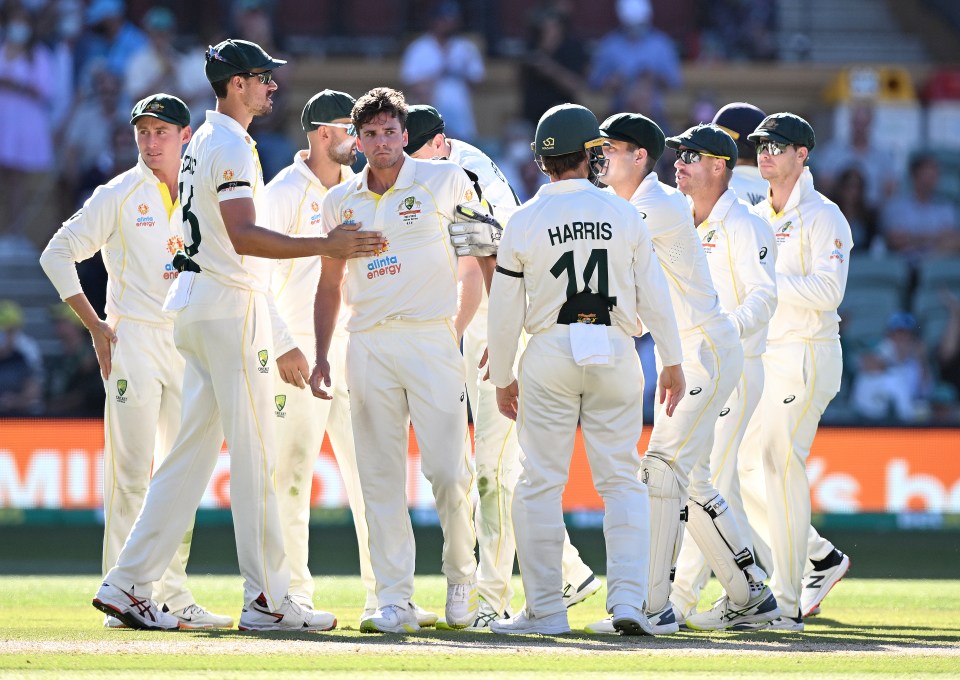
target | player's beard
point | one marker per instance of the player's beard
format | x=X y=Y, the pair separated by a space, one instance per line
x=385 y=162
x=344 y=153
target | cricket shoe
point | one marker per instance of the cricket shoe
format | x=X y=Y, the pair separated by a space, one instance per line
x=760 y=609
x=813 y=612
x=112 y=622
x=462 y=603
x=826 y=573
x=779 y=623
x=572 y=596
x=628 y=620
x=525 y=623
x=425 y=619
x=195 y=617
x=289 y=616
x=661 y=623
x=485 y=616
x=135 y=612
x=391 y=619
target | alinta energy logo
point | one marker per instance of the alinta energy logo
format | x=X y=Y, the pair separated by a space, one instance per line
x=316 y=217
x=145 y=220
x=263 y=356
x=280 y=401
x=121 y=390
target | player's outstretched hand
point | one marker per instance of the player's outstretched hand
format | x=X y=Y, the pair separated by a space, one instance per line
x=672 y=387
x=346 y=241
x=103 y=341
x=294 y=369
x=507 y=400
x=320 y=380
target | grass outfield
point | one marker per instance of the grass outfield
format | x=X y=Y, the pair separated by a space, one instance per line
x=869 y=628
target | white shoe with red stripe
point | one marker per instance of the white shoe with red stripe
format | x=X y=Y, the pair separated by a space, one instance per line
x=288 y=616
x=136 y=612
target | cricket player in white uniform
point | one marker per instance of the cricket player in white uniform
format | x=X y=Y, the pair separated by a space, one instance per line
x=740 y=251
x=675 y=466
x=497 y=450
x=224 y=330
x=403 y=359
x=739 y=119
x=134 y=221
x=802 y=364
x=575 y=269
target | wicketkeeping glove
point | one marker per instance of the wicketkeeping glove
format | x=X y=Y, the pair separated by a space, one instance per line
x=479 y=236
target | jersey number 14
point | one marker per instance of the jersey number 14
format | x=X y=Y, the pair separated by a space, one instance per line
x=596 y=263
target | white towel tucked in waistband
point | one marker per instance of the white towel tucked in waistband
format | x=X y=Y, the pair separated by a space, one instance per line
x=589 y=344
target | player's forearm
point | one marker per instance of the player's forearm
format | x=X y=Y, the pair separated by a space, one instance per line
x=80 y=304
x=256 y=241
x=326 y=310
x=504 y=324
x=469 y=292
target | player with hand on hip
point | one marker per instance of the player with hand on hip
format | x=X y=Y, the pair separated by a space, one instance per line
x=497 y=450
x=403 y=358
x=224 y=327
x=134 y=220
x=741 y=252
x=802 y=366
x=575 y=270
x=675 y=466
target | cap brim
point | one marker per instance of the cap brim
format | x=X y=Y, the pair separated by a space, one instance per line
x=732 y=133
x=165 y=119
x=676 y=143
x=769 y=135
x=599 y=141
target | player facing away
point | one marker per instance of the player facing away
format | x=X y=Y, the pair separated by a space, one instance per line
x=802 y=366
x=134 y=220
x=575 y=269
x=223 y=328
x=403 y=359
x=495 y=437
x=675 y=466
x=741 y=251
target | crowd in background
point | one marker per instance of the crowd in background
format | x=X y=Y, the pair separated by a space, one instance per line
x=70 y=71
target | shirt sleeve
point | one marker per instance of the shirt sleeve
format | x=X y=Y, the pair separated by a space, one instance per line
x=653 y=299
x=830 y=245
x=278 y=210
x=80 y=237
x=235 y=170
x=507 y=310
x=754 y=256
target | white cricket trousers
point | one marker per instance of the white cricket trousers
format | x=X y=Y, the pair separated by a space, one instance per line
x=141 y=419
x=225 y=336
x=300 y=426
x=693 y=572
x=400 y=371
x=608 y=402
x=800 y=380
x=498 y=466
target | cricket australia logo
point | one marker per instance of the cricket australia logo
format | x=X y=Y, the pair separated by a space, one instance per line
x=783 y=233
x=263 y=357
x=708 y=244
x=121 y=390
x=280 y=401
x=409 y=209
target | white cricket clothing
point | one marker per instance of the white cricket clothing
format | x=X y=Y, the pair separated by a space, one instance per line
x=135 y=224
x=813 y=244
x=414 y=277
x=741 y=253
x=403 y=364
x=496 y=190
x=225 y=333
x=569 y=236
x=749 y=185
x=293 y=200
x=802 y=370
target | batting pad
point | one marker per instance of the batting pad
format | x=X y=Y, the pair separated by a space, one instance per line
x=666 y=528
x=716 y=532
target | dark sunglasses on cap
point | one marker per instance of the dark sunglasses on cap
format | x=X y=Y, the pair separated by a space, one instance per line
x=213 y=54
x=689 y=156
x=771 y=148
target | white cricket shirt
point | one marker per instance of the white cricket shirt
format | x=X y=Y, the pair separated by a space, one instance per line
x=749 y=185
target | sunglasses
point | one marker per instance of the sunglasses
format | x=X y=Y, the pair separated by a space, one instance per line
x=771 y=148
x=349 y=127
x=213 y=54
x=689 y=156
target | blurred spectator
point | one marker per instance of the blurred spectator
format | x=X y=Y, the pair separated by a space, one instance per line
x=110 y=39
x=20 y=380
x=74 y=385
x=944 y=406
x=739 y=120
x=636 y=62
x=894 y=379
x=948 y=351
x=26 y=138
x=553 y=71
x=89 y=130
x=121 y=155
x=516 y=161
x=877 y=165
x=58 y=26
x=739 y=30
x=253 y=21
x=849 y=193
x=275 y=147
x=439 y=68
x=161 y=68
x=919 y=223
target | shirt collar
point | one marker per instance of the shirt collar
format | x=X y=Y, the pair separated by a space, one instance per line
x=405 y=179
x=231 y=124
x=565 y=186
x=720 y=209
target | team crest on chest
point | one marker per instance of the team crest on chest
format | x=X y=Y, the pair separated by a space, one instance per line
x=409 y=209
x=784 y=232
x=708 y=244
